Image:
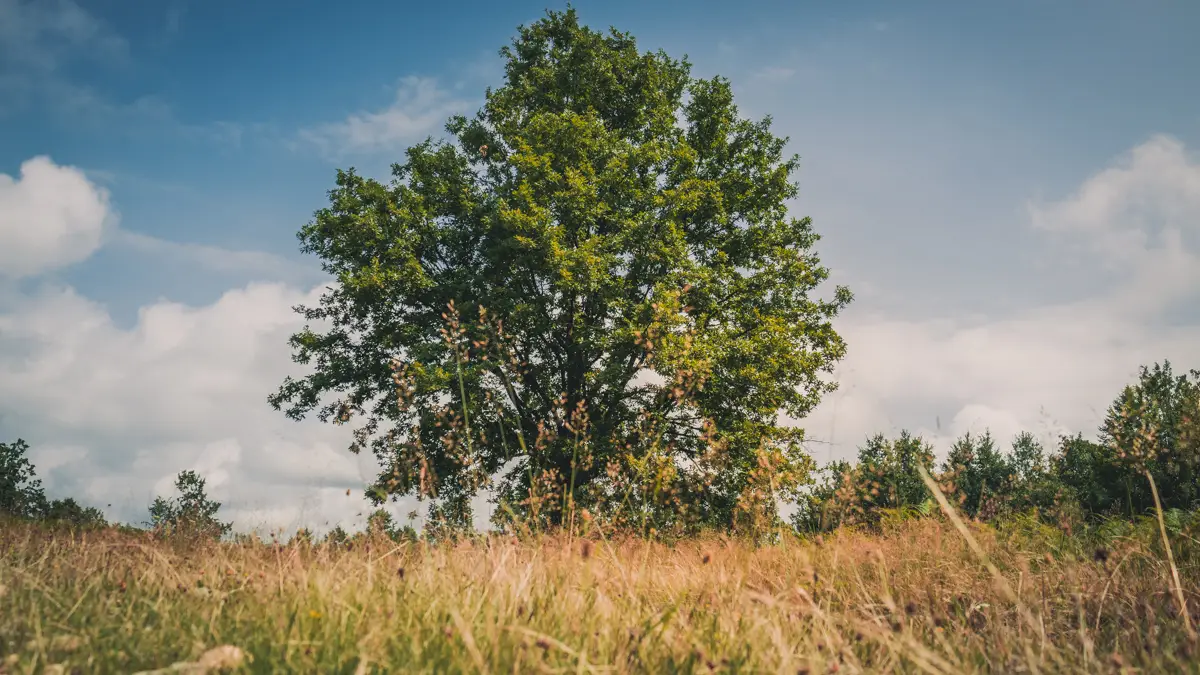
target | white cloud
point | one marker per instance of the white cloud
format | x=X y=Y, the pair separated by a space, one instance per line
x=1050 y=369
x=1141 y=205
x=421 y=107
x=1155 y=186
x=114 y=414
x=50 y=216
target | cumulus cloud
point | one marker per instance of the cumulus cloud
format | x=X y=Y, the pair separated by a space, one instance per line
x=50 y=216
x=1140 y=218
x=1155 y=189
x=1051 y=369
x=420 y=107
x=113 y=414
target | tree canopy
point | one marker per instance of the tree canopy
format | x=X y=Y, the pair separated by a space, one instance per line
x=21 y=493
x=599 y=263
x=192 y=513
x=22 y=496
x=1152 y=426
x=1151 y=432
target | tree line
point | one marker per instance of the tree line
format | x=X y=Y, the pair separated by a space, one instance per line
x=1148 y=443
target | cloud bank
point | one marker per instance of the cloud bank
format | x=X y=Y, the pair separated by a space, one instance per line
x=114 y=413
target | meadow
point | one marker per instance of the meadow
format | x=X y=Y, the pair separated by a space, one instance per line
x=925 y=594
x=590 y=301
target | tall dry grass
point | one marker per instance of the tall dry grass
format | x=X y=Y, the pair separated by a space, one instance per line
x=913 y=598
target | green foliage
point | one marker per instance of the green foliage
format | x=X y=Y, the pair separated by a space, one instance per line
x=1152 y=427
x=989 y=483
x=813 y=505
x=192 y=514
x=884 y=485
x=69 y=512
x=380 y=523
x=21 y=494
x=336 y=537
x=983 y=476
x=892 y=467
x=1033 y=484
x=603 y=216
x=1094 y=478
x=884 y=482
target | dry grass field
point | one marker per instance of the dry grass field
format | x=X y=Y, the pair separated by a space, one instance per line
x=914 y=597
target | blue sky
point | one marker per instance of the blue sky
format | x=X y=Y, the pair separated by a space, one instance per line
x=998 y=183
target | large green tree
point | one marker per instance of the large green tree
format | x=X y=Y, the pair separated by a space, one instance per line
x=604 y=215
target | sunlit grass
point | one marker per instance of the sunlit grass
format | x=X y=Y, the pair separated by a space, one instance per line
x=914 y=598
